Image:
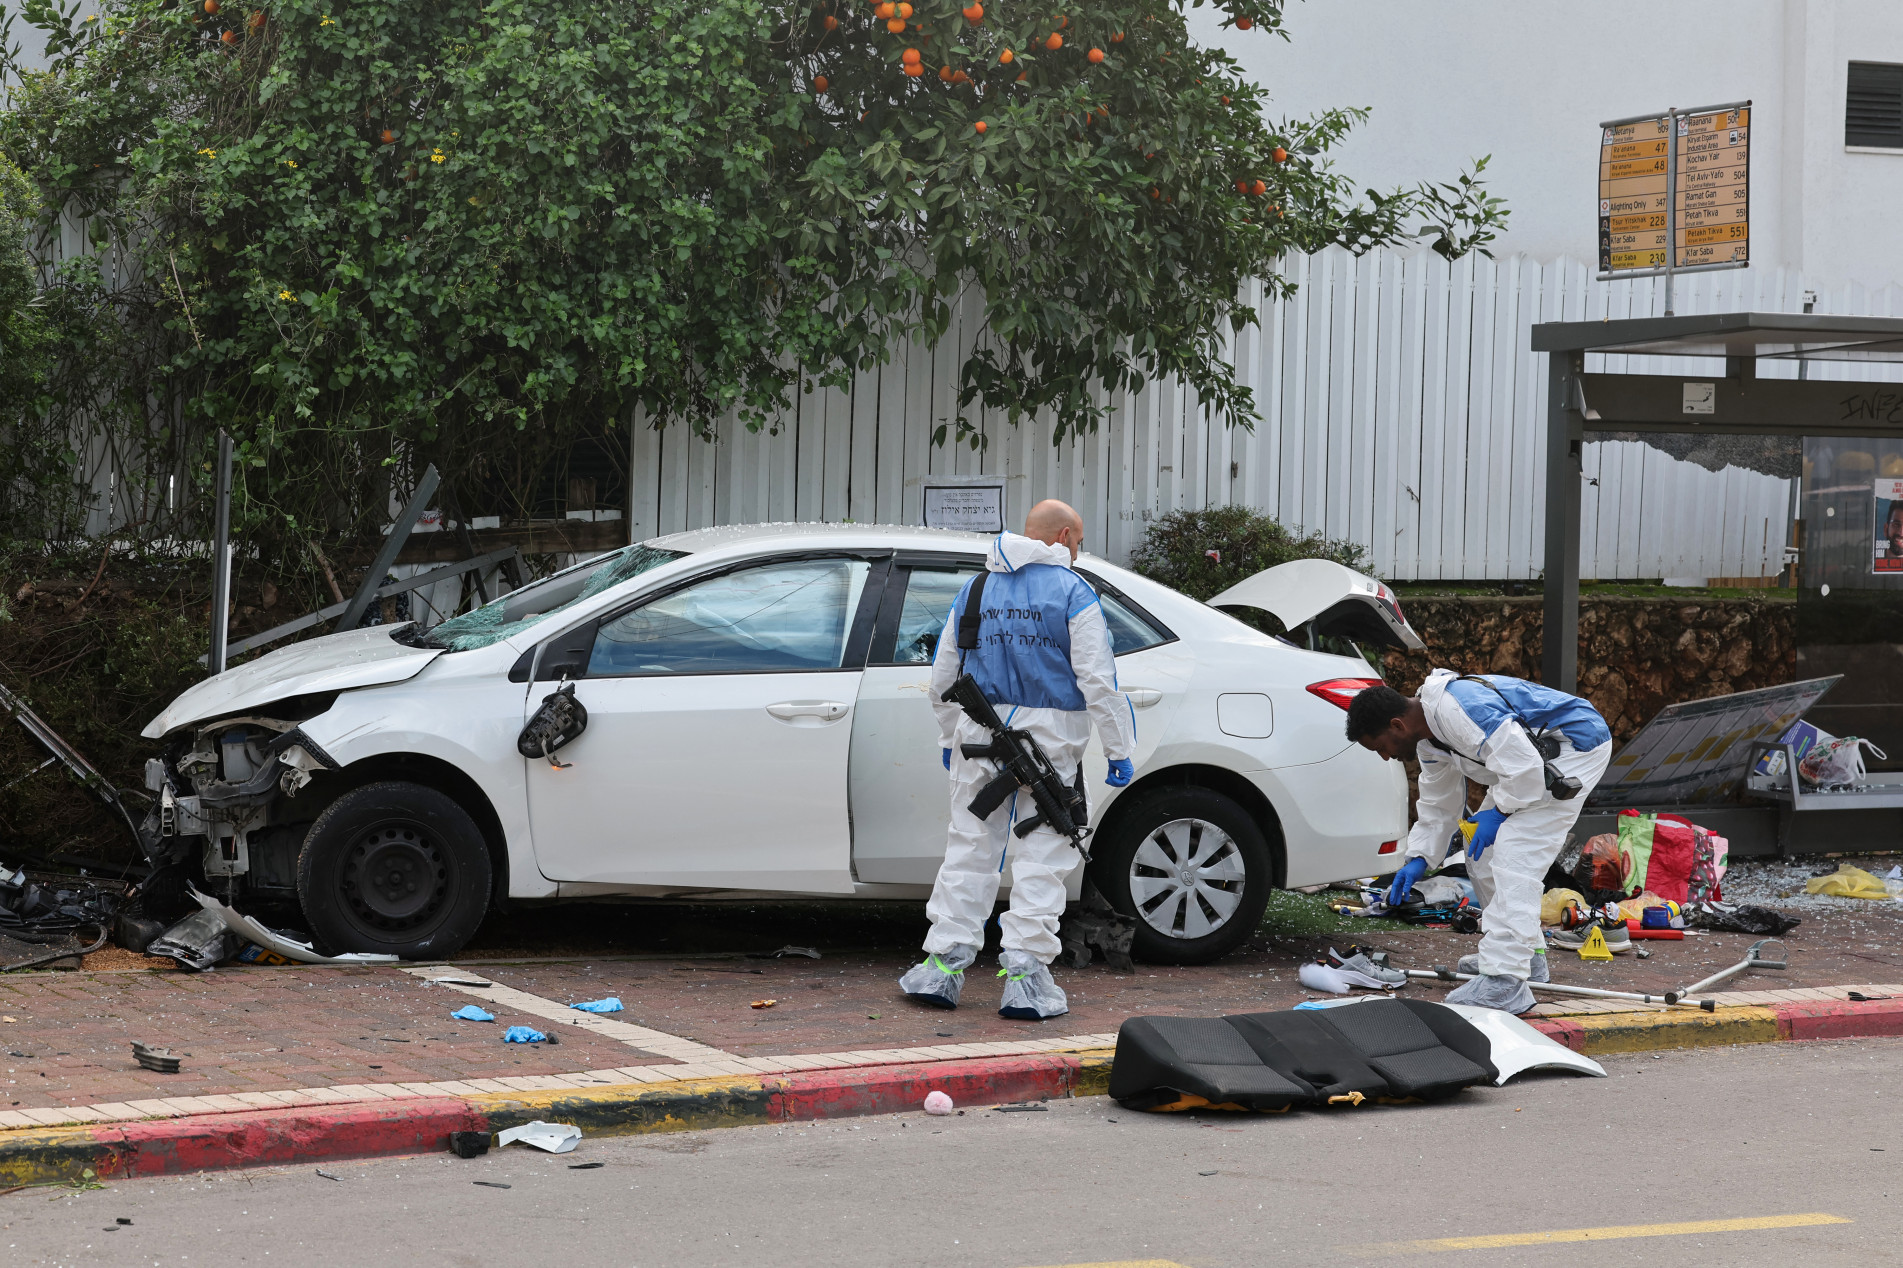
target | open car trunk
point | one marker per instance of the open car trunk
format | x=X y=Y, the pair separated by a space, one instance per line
x=1332 y=600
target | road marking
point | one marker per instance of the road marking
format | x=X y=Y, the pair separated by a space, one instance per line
x=658 y=1042
x=1125 y=1263
x=1613 y=1232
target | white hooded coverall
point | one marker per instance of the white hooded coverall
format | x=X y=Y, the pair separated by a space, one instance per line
x=1509 y=878
x=1043 y=641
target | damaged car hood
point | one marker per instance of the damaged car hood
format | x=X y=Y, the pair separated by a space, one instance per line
x=336 y=662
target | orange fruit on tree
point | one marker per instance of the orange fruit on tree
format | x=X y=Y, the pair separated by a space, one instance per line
x=895 y=25
x=905 y=10
x=980 y=125
x=909 y=57
x=1005 y=57
x=821 y=83
x=1095 y=55
x=1259 y=189
x=1117 y=38
x=832 y=24
x=1243 y=24
x=1055 y=42
x=974 y=13
x=1155 y=193
x=255 y=21
x=915 y=70
x=1023 y=75
x=229 y=37
x=1279 y=154
x=1242 y=187
x=887 y=9
x=960 y=77
x=388 y=137
x=211 y=6
x=944 y=73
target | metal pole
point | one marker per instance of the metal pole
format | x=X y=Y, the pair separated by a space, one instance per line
x=1587 y=992
x=221 y=559
x=1559 y=657
x=1671 y=203
x=392 y=546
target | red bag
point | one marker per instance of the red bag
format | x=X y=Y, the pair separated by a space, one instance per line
x=1657 y=851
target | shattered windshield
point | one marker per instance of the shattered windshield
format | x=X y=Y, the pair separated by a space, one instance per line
x=519 y=609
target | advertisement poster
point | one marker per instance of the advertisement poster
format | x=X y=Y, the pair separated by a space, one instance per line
x=1889 y=522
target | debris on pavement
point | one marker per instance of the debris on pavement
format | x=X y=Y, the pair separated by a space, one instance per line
x=1742 y=918
x=783 y=952
x=469 y=1012
x=1851 y=882
x=585 y=1166
x=469 y=1144
x=1023 y=1108
x=162 y=1060
x=764 y=1003
x=554 y=1138
x=248 y=929
x=524 y=1034
x=492 y=1184
x=938 y=1103
x=612 y=1004
x=320 y=1171
x=197 y=942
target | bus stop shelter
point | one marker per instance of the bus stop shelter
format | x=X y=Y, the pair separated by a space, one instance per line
x=1738 y=402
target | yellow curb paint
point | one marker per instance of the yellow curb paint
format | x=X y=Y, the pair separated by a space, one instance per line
x=1676 y=1028
x=632 y=1108
x=1614 y=1232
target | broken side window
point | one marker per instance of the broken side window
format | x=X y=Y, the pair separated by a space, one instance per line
x=520 y=609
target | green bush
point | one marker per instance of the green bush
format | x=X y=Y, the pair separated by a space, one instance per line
x=1176 y=549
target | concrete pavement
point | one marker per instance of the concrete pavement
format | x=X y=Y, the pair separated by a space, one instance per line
x=1763 y=1155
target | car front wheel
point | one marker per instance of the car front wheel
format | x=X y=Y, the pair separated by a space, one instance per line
x=396 y=868
x=1193 y=869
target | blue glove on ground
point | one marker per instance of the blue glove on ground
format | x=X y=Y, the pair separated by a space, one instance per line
x=1486 y=827
x=1405 y=879
x=1121 y=773
x=944 y=755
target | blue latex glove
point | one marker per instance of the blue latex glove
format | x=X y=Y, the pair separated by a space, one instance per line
x=469 y=1012
x=944 y=755
x=1486 y=827
x=523 y=1034
x=1405 y=879
x=610 y=1005
x=1121 y=773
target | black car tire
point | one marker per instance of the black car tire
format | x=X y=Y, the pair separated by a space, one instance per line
x=396 y=868
x=1216 y=838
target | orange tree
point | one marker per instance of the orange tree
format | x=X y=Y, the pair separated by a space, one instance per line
x=474 y=230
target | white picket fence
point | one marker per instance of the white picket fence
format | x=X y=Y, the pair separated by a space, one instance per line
x=1401 y=406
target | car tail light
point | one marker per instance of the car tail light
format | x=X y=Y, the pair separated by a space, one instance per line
x=1339 y=691
x=1388 y=847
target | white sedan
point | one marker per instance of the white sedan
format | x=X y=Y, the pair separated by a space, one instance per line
x=757 y=724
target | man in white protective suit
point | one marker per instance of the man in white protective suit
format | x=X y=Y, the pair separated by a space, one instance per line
x=1043 y=660
x=1489 y=729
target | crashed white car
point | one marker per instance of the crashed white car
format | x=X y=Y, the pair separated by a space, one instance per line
x=756 y=724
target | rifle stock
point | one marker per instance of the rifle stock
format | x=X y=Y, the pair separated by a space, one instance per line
x=1021 y=764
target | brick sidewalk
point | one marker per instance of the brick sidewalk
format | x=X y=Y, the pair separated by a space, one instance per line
x=254 y=1031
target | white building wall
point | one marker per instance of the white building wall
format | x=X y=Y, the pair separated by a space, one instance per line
x=1528 y=81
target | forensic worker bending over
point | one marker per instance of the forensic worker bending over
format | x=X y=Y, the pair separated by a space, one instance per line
x=1043 y=661
x=1490 y=729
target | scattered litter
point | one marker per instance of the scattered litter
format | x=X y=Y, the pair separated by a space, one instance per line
x=938 y=1103
x=942 y=1034
x=320 y=1171
x=872 y=1016
x=469 y=1012
x=783 y=952
x=1205 y=1173
x=163 y=1060
x=585 y=1166
x=610 y=1005
x=492 y=1184
x=1026 y=1108
x=1743 y=918
x=123 y=1220
x=9 y=1019
x=1861 y=998
x=1848 y=882
x=764 y=1003
x=469 y=1144
x=247 y=929
x=554 y=1138
x=1324 y=977
x=457 y=981
x=523 y=1034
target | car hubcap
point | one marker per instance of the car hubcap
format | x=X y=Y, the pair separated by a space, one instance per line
x=1187 y=878
x=395 y=877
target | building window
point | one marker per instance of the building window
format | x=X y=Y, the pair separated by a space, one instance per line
x=1873 y=107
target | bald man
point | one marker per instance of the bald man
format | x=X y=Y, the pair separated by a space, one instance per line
x=1044 y=661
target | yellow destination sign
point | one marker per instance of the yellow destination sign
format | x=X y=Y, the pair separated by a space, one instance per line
x=1675 y=192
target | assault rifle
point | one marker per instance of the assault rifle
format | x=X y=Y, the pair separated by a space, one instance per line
x=1021 y=764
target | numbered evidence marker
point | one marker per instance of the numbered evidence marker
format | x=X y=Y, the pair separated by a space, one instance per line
x=1712 y=212
x=1634 y=224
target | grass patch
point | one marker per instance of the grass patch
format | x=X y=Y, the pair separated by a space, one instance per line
x=1296 y=915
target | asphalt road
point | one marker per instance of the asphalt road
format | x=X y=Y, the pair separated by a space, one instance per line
x=1802 y=1140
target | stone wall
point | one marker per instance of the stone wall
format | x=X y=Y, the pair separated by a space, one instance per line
x=1635 y=655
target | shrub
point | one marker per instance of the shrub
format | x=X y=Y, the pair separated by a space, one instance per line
x=1176 y=550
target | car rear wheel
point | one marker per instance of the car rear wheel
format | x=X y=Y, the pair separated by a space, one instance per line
x=1193 y=869
x=394 y=867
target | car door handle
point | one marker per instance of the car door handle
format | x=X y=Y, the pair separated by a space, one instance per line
x=1143 y=697
x=824 y=710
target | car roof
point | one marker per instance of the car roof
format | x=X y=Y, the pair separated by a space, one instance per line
x=697 y=540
